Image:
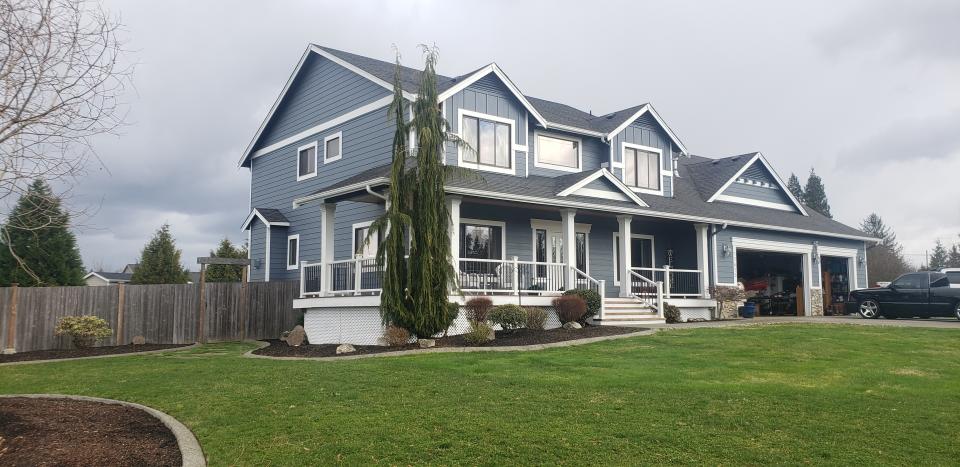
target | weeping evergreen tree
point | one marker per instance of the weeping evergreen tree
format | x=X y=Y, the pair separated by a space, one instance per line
x=415 y=291
x=395 y=305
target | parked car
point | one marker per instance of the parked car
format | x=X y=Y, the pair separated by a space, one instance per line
x=954 y=275
x=917 y=294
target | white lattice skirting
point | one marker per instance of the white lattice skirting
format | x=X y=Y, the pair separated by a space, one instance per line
x=362 y=326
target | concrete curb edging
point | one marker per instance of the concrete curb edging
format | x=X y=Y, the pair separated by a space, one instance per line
x=399 y=353
x=190 y=451
x=128 y=354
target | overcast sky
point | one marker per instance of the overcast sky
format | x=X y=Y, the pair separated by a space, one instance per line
x=867 y=93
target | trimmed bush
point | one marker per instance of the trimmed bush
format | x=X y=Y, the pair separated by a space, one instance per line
x=536 y=318
x=592 y=298
x=395 y=336
x=478 y=334
x=570 y=308
x=671 y=313
x=509 y=317
x=85 y=331
x=478 y=309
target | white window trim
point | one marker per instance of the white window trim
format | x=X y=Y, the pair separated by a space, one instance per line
x=616 y=257
x=503 y=233
x=353 y=238
x=297 y=264
x=563 y=168
x=316 y=161
x=557 y=227
x=514 y=144
x=623 y=166
x=339 y=136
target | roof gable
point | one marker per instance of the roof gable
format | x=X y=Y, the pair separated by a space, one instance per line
x=270 y=217
x=757 y=162
x=630 y=117
x=494 y=69
x=601 y=184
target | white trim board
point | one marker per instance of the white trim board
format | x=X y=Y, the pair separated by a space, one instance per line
x=256 y=213
x=763 y=160
x=805 y=250
x=755 y=202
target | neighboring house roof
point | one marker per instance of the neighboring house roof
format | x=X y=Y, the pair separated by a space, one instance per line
x=686 y=204
x=110 y=276
x=269 y=216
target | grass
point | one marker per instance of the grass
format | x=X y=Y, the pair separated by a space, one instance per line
x=745 y=395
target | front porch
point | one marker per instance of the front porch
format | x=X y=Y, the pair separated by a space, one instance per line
x=530 y=253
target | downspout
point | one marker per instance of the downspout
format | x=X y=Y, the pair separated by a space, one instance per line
x=374 y=193
x=712 y=240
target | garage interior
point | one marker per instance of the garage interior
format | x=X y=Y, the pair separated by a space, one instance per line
x=773 y=281
x=836 y=284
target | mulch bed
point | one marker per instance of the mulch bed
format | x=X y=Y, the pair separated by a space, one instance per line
x=58 y=432
x=278 y=348
x=91 y=352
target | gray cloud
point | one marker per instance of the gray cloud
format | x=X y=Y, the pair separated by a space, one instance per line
x=929 y=139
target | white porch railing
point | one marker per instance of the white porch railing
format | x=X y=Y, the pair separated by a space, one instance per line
x=362 y=275
x=647 y=291
x=677 y=283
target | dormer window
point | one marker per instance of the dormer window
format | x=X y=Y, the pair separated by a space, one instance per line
x=641 y=167
x=490 y=140
x=558 y=153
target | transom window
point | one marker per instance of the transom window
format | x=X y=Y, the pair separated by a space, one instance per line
x=563 y=153
x=641 y=168
x=307 y=161
x=333 y=146
x=490 y=142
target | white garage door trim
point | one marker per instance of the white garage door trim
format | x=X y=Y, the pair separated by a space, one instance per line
x=806 y=251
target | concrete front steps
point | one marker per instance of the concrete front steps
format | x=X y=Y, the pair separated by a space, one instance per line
x=624 y=311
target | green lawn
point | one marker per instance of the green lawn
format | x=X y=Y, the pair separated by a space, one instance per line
x=785 y=393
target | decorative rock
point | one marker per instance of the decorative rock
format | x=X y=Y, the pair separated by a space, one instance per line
x=139 y=340
x=572 y=325
x=426 y=343
x=296 y=336
x=345 y=348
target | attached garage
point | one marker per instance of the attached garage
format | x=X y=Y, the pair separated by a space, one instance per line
x=774 y=281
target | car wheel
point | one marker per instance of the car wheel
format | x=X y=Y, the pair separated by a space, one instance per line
x=869 y=309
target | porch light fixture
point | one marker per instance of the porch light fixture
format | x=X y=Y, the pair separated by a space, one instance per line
x=816 y=252
x=725 y=249
x=861 y=260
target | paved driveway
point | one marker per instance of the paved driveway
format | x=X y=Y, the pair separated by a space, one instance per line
x=850 y=319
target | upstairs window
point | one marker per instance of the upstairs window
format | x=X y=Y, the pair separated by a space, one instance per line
x=558 y=153
x=332 y=147
x=641 y=168
x=489 y=141
x=307 y=161
x=362 y=247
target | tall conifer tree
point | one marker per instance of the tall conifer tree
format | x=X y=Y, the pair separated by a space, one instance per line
x=160 y=261
x=793 y=184
x=226 y=272
x=37 y=247
x=815 y=195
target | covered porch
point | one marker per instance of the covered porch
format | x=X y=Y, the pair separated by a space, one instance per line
x=508 y=249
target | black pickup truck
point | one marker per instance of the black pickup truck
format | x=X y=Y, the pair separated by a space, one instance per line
x=917 y=294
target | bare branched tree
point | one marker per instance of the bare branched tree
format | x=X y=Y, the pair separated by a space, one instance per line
x=60 y=83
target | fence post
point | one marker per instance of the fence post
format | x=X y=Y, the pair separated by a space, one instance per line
x=660 y=299
x=666 y=280
x=120 y=295
x=202 y=315
x=356 y=276
x=303 y=270
x=603 y=297
x=12 y=320
x=244 y=303
x=516 y=276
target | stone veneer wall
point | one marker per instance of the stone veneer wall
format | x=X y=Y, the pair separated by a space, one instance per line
x=816 y=302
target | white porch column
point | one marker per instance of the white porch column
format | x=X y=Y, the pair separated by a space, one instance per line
x=327 y=219
x=624 y=257
x=569 y=245
x=453 y=205
x=703 y=262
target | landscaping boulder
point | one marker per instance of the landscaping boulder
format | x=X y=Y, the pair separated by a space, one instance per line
x=139 y=340
x=572 y=325
x=426 y=343
x=296 y=336
x=345 y=348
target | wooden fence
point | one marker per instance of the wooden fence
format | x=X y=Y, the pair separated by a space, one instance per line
x=162 y=314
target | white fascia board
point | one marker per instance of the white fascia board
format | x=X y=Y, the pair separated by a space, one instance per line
x=339 y=191
x=256 y=213
x=495 y=69
x=755 y=202
x=603 y=172
x=653 y=112
x=763 y=160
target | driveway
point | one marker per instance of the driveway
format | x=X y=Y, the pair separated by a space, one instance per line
x=949 y=323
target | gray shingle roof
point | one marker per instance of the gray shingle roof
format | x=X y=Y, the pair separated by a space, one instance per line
x=409 y=77
x=114 y=276
x=687 y=200
x=272 y=215
x=708 y=175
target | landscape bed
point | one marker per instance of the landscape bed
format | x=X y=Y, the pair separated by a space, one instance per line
x=87 y=352
x=515 y=338
x=36 y=431
x=795 y=394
